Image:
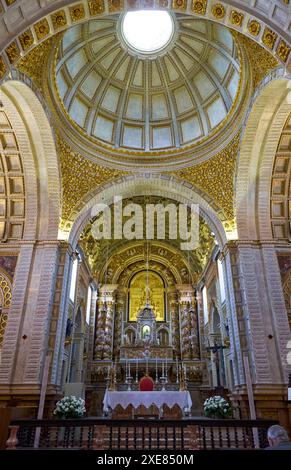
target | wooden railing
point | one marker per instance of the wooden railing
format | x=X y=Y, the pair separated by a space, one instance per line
x=107 y=434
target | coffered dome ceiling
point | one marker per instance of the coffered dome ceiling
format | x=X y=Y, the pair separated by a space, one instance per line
x=137 y=105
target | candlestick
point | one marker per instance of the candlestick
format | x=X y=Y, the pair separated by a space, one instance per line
x=157 y=378
x=163 y=369
x=136 y=372
x=129 y=370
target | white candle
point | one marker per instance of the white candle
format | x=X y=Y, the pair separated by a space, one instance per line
x=129 y=369
x=163 y=368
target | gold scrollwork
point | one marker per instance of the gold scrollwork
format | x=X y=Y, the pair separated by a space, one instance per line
x=199 y=6
x=254 y=27
x=96 y=7
x=218 y=11
x=269 y=38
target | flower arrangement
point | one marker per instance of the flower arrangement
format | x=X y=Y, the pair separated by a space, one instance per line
x=217 y=407
x=70 y=407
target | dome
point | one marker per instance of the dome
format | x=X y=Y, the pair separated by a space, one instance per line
x=164 y=101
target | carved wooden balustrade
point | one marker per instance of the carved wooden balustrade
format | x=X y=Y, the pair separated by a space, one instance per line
x=158 y=434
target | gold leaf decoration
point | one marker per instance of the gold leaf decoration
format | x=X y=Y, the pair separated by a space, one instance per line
x=3 y=67
x=261 y=61
x=254 y=27
x=283 y=51
x=236 y=18
x=269 y=38
x=218 y=11
x=77 y=12
x=13 y=52
x=26 y=39
x=59 y=19
x=199 y=6
x=42 y=29
x=34 y=63
x=115 y=5
x=96 y=7
x=79 y=176
x=216 y=177
x=180 y=5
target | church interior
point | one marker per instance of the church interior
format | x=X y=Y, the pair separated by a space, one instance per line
x=132 y=105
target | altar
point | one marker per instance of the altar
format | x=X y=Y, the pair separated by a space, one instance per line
x=136 y=399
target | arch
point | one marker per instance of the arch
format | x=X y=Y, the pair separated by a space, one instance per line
x=33 y=26
x=148 y=184
x=39 y=159
x=256 y=159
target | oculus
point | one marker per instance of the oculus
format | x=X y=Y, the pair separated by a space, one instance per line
x=147 y=31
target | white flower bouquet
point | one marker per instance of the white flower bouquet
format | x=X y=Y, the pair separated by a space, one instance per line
x=70 y=407
x=217 y=407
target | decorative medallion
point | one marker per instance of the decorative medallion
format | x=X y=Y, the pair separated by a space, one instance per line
x=163 y=3
x=96 y=7
x=269 y=38
x=180 y=5
x=42 y=29
x=236 y=18
x=77 y=12
x=218 y=11
x=13 y=52
x=26 y=39
x=199 y=6
x=59 y=19
x=283 y=51
x=254 y=27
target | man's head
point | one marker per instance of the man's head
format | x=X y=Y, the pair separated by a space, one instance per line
x=277 y=434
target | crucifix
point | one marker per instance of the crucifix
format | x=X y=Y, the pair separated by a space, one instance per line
x=215 y=348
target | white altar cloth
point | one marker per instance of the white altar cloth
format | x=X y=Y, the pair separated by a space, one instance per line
x=160 y=398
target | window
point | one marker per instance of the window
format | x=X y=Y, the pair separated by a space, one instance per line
x=146 y=30
x=73 y=280
x=88 y=307
x=221 y=280
x=205 y=305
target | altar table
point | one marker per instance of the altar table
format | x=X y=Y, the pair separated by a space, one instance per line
x=147 y=399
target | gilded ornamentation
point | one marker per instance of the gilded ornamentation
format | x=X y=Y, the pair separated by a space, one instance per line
x=236 y=18
x=13 y=52
x=180 y=4
x=218 y=11
x=115 y=5
x=3 y=323
x=3 y=68
x=42 y=29
x=9 y=2
x=254 y=27
x=283 y=51
x=269 y=38
x=77 y=12
x=26 y=39
x=59 y=19
x=96 y=7
x=261 y=61
x=6 y=293
x=199 y=6
x=216 y=177
x=33 y=64
x=79 y=176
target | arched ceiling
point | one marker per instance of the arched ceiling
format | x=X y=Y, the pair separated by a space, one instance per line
x=108 y=258
x=148 y=103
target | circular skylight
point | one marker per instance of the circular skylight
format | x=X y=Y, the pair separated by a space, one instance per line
x=146 y=30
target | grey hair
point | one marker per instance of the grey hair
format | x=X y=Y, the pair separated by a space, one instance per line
x=278 y=432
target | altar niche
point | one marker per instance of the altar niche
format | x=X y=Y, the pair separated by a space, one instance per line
x=146 y=286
